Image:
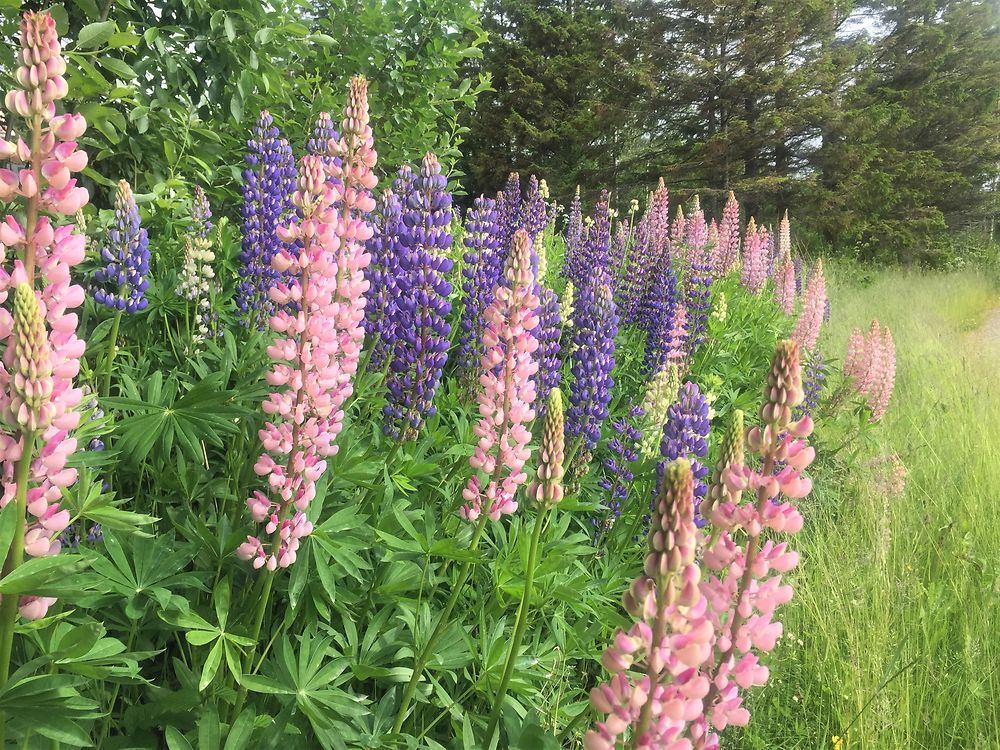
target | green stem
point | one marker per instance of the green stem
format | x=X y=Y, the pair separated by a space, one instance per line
x=520 y=625
x=421 y=659
x=263 y=598
x=14 y=558
x=110 y=356
x=133 y=630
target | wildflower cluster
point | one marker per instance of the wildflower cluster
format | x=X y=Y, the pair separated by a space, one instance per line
x=870 y=367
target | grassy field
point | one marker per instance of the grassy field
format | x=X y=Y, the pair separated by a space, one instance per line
x=893 y=639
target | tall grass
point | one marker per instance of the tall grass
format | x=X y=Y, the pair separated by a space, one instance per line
x=893 y=638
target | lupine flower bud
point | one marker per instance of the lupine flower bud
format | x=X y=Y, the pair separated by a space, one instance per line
x=660 y=394
x=784 y=386
x=31 y=366
x=730 y=455
x=547 y=487
x=122 y=283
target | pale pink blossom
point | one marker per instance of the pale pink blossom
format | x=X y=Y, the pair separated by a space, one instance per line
x=807 y=328
x=506 y=399
x=42 y=353
x=726 y=251
x=755 y=258
x=319 y=338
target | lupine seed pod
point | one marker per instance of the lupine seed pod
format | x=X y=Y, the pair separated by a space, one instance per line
x=784 y=386
x=731 y=453
x=547 y=487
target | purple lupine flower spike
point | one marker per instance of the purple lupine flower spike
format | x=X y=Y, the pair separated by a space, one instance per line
x=595 y=324
x=699 y=277
x=598 y=241
x=574 y=237
x=383 y=271
x=617 y=476
x=533 y=213
x=421 y=347
x=616 y=258
x=482 y=271
x=813 y=381
x=269 y=181
x=549 y=330
x=122 y=283
x=657 y=315
x=508 y=211
x=685 y=435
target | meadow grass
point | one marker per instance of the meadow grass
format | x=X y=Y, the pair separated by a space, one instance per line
x=893 y=638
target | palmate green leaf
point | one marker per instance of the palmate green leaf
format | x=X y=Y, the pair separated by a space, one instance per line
x=48 y=704
x=205 y=412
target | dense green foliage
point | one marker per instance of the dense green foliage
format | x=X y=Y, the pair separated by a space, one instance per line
x=891 y=638
x=171 y=87
x=877 y=121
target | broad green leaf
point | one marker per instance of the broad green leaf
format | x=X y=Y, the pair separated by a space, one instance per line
x=37 y=574
x=117 y=67
x=176 y=740
x=8 y=527
x=241 y=731
x=94 y=34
